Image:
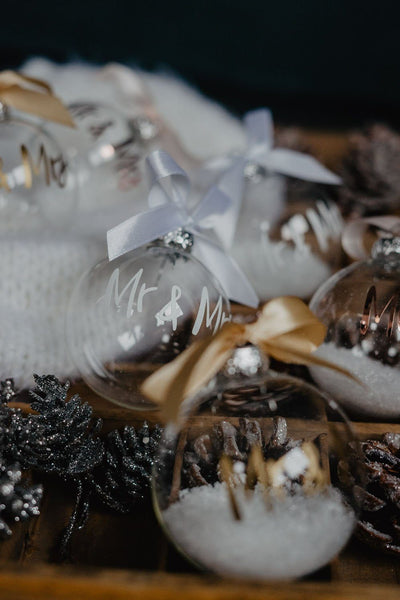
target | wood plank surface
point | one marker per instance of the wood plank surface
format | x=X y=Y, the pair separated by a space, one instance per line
x=59 y=584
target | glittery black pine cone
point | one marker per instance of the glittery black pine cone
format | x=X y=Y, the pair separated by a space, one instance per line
x=19 y=501
x=371 y=172
x=125 y=472
x=63 y=437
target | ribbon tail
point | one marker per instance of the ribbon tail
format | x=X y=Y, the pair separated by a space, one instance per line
x=286 y=354
x=41 y=105
x=212 y=212
x=259 y=127
x=299 y=165
x=142 y=229
x=191 y=370
x=291 y=321
x=231 y=184
x=232 y=279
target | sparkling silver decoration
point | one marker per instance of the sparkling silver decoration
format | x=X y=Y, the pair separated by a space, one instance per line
x=3 y=112
x=247 y=361
x=254 y=172
x=146 y=128
x=7 y=390
x=386 y=248
x=181 y=239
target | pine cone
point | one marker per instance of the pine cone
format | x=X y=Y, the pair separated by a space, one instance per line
x=371 y=172
x=63 y=437
x=379 y=521
x=201 y=457
x=125 y=472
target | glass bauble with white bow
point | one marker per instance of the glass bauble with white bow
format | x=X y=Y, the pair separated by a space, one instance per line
x=254 y=483
x=164 y=284
x=360 y=307
x=109 y=148
x=38 y=181
x=285 y=233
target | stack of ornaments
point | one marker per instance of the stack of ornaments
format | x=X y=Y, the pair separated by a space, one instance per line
x=96 y=172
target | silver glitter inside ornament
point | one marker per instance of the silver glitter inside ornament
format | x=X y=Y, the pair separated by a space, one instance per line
x=247 y=361
x=386 y=248
x=254 y=172
x=181 y=239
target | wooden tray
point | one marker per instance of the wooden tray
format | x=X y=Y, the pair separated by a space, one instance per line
x=117 y=557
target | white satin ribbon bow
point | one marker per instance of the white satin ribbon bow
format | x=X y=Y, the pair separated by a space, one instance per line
x=169 y=211
x=260 y=150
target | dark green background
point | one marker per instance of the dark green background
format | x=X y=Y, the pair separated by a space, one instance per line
x=312 y=61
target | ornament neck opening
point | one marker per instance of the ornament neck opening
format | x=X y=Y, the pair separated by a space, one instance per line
x=180 y=239
x=145 y=129
x=246 y=361
x=387 y=248
x=4 y=112
x=254 y=172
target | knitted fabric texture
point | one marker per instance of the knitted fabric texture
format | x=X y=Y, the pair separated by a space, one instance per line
x=37 y=277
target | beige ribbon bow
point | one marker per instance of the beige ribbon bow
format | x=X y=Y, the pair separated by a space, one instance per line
x=286 y=330
x=32 y=96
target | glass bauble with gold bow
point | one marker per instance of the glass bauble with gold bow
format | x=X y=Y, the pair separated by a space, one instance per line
x=255 y=480
x=37 y=180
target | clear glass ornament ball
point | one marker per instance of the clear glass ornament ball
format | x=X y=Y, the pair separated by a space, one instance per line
x=109 y=149
x=258 y=481
x=129 y=316
x=36 y=176
x=288 y=235
x=360 y=307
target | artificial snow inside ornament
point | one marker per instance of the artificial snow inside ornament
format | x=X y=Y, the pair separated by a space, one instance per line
x=35 y=175
x=360 y=308
x=164 y=285
x=285 y=234
x=246 y=482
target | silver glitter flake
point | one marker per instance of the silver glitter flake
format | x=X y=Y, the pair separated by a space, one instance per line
x=145 y=128
x=3 y=112
x=254 y=172
x=181 y=239
x=246 y=361
x=386 y=248
x=7 y=390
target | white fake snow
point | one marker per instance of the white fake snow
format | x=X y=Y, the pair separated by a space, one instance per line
x=380 y=397
x=296 y=536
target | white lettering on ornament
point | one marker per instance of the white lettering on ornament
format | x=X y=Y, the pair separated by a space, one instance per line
x=204 y=311
x=136 y=290
x=171 y=311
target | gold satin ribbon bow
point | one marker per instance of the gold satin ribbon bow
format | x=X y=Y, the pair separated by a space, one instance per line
x=33 y=96
x=286 y=330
